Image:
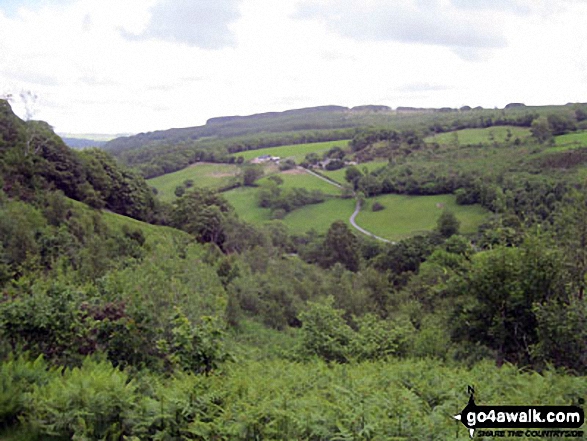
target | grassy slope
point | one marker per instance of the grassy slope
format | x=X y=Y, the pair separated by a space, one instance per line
x=568 y=142
x=297 y=152
x=480 y=136
x=572 y=138
x=404 y=216
x=203 y=175
x=154 y=234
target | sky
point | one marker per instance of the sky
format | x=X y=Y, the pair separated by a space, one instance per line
x=112 y=66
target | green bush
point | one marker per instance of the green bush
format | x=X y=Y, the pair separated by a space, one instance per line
x=325 y=333
x=377 y=339
x=377 y=206
x=562 y=334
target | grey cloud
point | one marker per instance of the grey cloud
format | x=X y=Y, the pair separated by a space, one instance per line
x=518 y=6
x=422 y=21
x=36 y=78
x=202 y=23
x=472 y=53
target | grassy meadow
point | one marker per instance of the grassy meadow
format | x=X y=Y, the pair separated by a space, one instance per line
x=405 y=216
x=316 y=216
x=297 y=152
x=203 y=174
x=300 y=179
x=567 y=142
x=244 y=201
x=578 y=139
x=319 y=217
x=480 y=136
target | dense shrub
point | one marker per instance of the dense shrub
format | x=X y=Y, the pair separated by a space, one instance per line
x=96 y=401
x=377 y=206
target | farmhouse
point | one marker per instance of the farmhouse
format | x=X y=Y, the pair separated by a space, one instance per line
x=265 y=158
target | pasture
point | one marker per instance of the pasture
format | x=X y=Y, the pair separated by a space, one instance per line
x=316 y=216
x=406 y=216
x=203 y=174
x=244 y=201
x=567 y=142
x=487 y=135
x=297 y=152
x=319 y=216
x=297 y=178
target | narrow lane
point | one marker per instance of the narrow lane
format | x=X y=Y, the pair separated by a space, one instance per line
x=357 y=209
x=362 y=230
x=336 y=184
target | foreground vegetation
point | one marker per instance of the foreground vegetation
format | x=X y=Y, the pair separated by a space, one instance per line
x=275 y=399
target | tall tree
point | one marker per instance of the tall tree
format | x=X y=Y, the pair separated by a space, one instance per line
x=499 y=293
x=202 y=212
x=447 y=224
x=541 y=130
x=341 y=246
x=572 y=235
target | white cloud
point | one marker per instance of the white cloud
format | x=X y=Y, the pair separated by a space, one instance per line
x=407 y=21
x=90 y=78
x=202 y=23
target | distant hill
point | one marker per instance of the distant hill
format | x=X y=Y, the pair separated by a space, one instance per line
x=164 y=151
x=313 y=111
x=311 y=118
x=84 y=140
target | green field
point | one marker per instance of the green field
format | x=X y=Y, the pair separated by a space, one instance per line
x=203 y=175
x=480 y=136
x=319 y=216
x=244 y=201
x=297 y=152
x=405 y=216
x=300 y=179
x=338 y=175
x=575 y=139
x=567 y=142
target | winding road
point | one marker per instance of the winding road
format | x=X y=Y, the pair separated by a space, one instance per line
x=357 y=208
x=336 y=184
x=362 y=230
